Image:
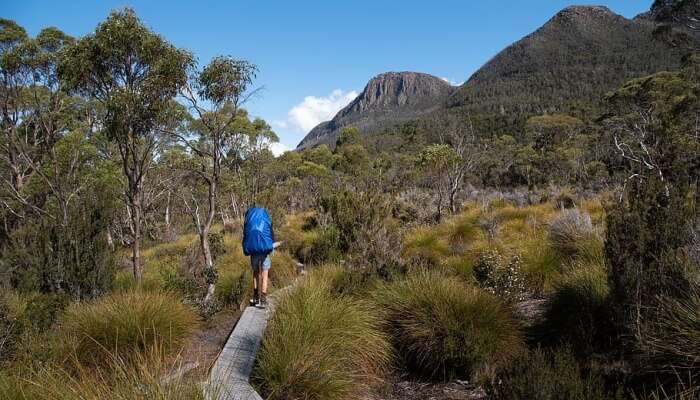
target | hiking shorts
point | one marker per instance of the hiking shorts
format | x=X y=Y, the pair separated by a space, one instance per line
x=260 y=260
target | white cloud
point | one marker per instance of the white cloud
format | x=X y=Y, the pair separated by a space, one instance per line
x=280 y=124
x=314 y=110
x=278 y=148
x=451 y=82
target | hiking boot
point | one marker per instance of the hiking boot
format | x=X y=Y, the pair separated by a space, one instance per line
x=255 y=300
x=263 y=301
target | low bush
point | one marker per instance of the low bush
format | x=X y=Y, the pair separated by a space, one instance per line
x=23 y=316
x=443 y=328
x=320 y=345
x=579 y=312
x=542 y=374
x=495 y=275
x=125 y=324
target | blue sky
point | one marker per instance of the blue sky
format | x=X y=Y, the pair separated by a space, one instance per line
x=314 y=56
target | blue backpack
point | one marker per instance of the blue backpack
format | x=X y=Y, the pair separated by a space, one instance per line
x=257 y=232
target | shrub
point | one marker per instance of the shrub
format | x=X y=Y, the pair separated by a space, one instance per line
x=579 y=311
x=125 y=324
x=572 y=236
x=75 y=259
x=320 y=345
x=25 y=315
x=500 y=278
x=542 y=374
x=443 y=328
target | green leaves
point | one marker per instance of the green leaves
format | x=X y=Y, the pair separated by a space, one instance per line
x=226 y=79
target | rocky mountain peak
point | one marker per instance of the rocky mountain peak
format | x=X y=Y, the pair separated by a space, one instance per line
x=398 y=89
x=388 y=98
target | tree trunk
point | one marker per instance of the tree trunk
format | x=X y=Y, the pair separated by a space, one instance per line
x=204 y=240
x=453 y=203
x=136 y=244
x=168 y=228
x=208 y=266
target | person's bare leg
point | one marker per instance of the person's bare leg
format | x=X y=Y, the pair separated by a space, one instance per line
x=256 y=294
x=263 y=281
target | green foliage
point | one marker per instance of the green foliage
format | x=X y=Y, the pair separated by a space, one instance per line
x=73 y=259
x=659 y=200
x=320 y=345
x=348 y=136
x=364 y=231
x=98 y=59
x=444 y=329
x=124 y=325
x=542 y=374
x=225 y=79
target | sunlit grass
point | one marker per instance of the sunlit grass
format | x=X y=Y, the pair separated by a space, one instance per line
x=125 y=324
x=444 y=328
x=321 y=345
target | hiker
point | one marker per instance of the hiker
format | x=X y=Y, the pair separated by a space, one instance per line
x=258 y=243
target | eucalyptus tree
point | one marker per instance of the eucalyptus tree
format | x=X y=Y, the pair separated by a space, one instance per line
x=215 y=95
x=133 y=74
x=14 y=78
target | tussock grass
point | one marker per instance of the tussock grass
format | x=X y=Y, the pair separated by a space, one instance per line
x=573 y=236
x=321 y=345
x=443 y=328
x=137 y=378
x=549 y=240
x=427 y=245
x=125 y=324
x=579 y=312
x=542 y=265
x=671 y=340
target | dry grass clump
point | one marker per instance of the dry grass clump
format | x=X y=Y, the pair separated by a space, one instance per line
x=443 y=328
x=321 y=345
x=125 y=324
x=573 y=236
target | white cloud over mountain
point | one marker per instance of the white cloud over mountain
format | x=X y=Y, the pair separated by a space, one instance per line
x=314 y=110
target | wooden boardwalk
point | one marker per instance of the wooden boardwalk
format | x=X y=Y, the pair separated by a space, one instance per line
x=229 y=376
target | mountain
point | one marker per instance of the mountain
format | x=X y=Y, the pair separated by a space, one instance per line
x=567 y=64
x=388 y=98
